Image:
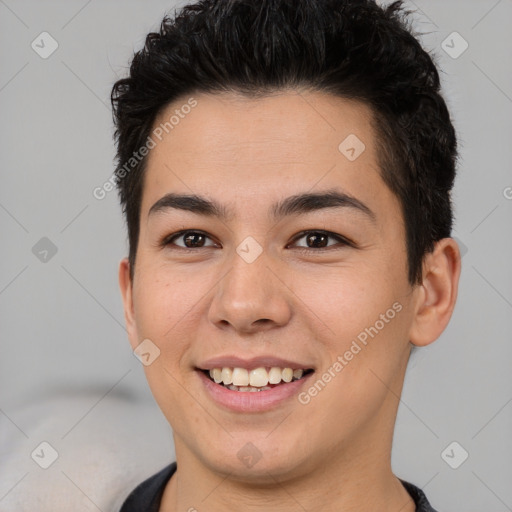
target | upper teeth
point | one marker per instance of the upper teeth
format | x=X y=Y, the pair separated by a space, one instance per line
x=258 y=377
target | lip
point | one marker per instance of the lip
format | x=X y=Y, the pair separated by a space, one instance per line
x=232 y=361
x=247 y=401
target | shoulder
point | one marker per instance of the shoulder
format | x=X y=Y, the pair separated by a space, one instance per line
x=148 y=494
x=421 y=501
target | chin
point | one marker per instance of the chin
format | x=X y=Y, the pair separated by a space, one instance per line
x=255 y=459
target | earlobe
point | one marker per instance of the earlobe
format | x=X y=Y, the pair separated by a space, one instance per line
x=125 y=285
x=437 y=293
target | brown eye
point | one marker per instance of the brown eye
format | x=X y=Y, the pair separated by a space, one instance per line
x=194 y=239
x=191 y=240
x=317 y=240
x=320 y=240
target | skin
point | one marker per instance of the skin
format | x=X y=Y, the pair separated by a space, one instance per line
x=334 y=452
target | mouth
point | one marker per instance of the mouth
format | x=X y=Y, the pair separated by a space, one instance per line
x=254 y=380
x=253 y=385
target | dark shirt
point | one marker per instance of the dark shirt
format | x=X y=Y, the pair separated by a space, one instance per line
x=147 y=496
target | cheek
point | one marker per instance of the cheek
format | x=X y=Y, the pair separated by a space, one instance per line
x=353 y=298
x=367 y=315
x=168 y=304
x=161 y=299
x=164 y=307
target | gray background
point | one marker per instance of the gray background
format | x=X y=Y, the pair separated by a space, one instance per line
x=67 y=374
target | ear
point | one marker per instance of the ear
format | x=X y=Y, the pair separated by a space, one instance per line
x=125 y=284
x=437 y=293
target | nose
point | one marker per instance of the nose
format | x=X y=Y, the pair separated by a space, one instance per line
x=250 y=297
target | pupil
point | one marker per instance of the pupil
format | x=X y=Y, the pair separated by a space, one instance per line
x=192 y=236
x=317 y=235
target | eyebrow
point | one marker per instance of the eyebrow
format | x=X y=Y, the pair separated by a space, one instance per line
x=293 y=205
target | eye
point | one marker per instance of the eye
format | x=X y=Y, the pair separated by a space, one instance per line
x=319 y=240
x=315 y=240
x=192 y=240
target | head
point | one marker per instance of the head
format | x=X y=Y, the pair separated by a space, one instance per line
x=278 y=120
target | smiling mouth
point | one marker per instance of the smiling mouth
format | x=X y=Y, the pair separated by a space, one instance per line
x=256 y=380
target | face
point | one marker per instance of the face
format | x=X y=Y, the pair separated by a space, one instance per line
x=267 y=279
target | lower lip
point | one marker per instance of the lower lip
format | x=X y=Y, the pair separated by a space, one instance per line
x=251 y=401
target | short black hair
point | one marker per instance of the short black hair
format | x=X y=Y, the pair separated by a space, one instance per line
x=354 y=49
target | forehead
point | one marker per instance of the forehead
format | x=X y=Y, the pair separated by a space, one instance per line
x=228 y=124
x=240 y=149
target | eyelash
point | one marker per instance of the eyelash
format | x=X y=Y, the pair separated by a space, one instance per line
x=168 y=240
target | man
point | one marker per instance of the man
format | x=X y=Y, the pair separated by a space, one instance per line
x=285 y=170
